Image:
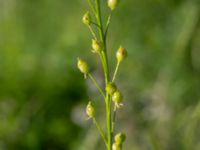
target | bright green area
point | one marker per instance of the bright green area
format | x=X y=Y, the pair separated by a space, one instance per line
x=43 y=95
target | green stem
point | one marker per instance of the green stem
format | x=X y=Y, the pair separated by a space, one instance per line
x=106 y=74
x=93 y=34
x=114 y=118
x=116 y=70
x=97 y=85
x=107 y=24
x=95 y=24
x=109 y=122
x=101 y=34
x=100 y=131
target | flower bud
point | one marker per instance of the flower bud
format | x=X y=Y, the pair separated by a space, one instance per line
x=120 y=138
x=83 y=66
x=121 y=54
x=96 y=46
x=90 y=111
x=111 y=88
x=87 y=18
x=112 y=4
x=117 y=97
x=115 y=146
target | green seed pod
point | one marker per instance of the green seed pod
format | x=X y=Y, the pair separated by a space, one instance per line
x=96 y=46
x=121 y=54
x=87 y=18
x=120 y=138
x=115 y=146
x=83 y=66
x=117 y=97
x=111 y=88
x=90 y=111
x=112 y=4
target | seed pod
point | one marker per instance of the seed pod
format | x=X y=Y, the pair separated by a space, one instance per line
x=90 y=111
x=96 y=46
x=120 y=138
x=87 y=18
x=112 y=4
x=121 y=54
x=111 y=88
x=117 y=97
x=115 y=146
x=83 y=66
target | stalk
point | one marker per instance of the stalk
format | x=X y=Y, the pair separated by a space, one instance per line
x=112 y=96
x=106 y=73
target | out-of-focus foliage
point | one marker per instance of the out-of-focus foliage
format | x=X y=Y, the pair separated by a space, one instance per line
x=43 y=96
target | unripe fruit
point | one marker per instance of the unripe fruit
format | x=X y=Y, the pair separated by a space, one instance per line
x=121 y=54
x=120 y=138
x=111 y=88
x=116 y=147
x=96 y=46
x=112 y=4
x=117 y=97
x=87 y=18
x=83 y=66
x=90 y=111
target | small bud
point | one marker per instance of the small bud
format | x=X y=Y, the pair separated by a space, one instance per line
x=117 y=97
x=90 y=111
x=120 y=138
x=96 y=46
x=83 y=66
x=112 y=4
x=111 y=88
x=87 y=18
x=121 y=54
x=115 y=146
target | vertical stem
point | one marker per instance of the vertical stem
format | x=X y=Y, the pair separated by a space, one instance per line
x=114 y=118
x=115 y=73
x=106 y=74
x=100 y=131
x=101 y=34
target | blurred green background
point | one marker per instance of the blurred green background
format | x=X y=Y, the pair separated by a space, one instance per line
x=43 y=95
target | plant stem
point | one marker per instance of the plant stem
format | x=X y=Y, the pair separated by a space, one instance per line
x=100 y=131
x=93 y=34
x=97 y=85
x=114 y=118
x=107 y=25
x=109 y=122
x=101 y=34
x=106 y=74
x=116 y=70
x=95 y=24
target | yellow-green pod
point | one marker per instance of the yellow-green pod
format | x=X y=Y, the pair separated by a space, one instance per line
x=83 y=66
x=86 y=18
x=121 y=54
x=111 y=88
x=90 y=111
x=112 y=4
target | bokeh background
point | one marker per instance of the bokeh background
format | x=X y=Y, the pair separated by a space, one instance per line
x=43 y=95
